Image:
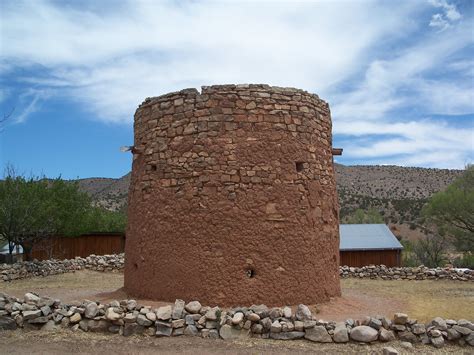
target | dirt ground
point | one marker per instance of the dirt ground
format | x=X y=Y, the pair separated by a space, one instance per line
x=360 y=297
x=67 y=342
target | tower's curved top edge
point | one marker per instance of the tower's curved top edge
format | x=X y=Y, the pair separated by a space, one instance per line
x=227 y=89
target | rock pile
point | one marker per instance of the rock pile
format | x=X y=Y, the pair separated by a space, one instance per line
x=406 y=273
x=27 y=269
x=128 y=317
x=116 y=262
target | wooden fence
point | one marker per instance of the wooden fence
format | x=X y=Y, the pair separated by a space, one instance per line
x=84 y=245
x=359 y=258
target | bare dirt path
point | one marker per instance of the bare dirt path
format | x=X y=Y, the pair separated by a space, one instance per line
x=67 y=342
x=360 y=297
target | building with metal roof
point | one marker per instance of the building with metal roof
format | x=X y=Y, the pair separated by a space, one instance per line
x=366 y=244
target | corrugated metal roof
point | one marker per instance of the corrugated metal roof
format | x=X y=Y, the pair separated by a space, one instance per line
x=367 y=237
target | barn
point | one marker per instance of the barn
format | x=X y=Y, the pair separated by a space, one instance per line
x=366 y=244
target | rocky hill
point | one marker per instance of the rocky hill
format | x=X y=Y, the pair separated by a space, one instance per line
x=398 y=193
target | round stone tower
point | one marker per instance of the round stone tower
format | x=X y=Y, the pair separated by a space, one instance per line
x=233 y=198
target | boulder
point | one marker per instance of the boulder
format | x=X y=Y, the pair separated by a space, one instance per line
x=408 y=336
x=164 y=313
x=276 y=327
x=237 y=318
x=303 y=312
x=193 y=307
x=418 y=329
x=386 y=335
x=364 y=334
x=462 y=330
x=144 y=321
x=27 y=315
x=31 y=298
x=178 y=309
x=91 y=310
x=437 y=342
x=132 y=329
x=318 y=334
x=400 y=318
x=191 y=330
x=111 y=315
x=341 y=335
x=75 y=318
x=230 y=333
x=439 y=323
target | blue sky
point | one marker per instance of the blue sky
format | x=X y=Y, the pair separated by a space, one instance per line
x=399 y=76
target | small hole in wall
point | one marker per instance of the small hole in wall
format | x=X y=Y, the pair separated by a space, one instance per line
x=299 y=166
x=250 y=273
x=153 y=167
x=135 y=265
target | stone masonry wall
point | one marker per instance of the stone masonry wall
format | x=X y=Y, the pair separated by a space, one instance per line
x=128 y=317
x=108 y=263
x=233 y=198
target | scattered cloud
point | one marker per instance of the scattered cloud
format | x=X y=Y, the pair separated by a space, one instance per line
x=384 y=71
x=445 y=19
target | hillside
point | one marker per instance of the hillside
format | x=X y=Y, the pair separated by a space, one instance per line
x=397 y=192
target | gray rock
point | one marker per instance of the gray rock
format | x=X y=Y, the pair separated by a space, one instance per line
x=91 y=310
x=439 y=323
x=435 y=333
x=177 y=323
x=178 y=309
x=227 y=332
x=130 y=318
x=212 y=313
x=189 y=319
x=465 y=323
x=46 y=310
x=266 y=323
x=237 y=318
x=462 y=330
x=111 y=315
x=452 y=334
x=38 y=320
x=193 y=307
x=386 y=335
x=287 y=312
x=400 y=318
x=98 y=326
x=375 y=323
x=31 y=298
x=276 y=327
x=163 y=329
x=406 y=345
x=318 y=334
x=144 y=321
x=341 y=335
x=257 y=329
x=191 y=330
x=31 y=314
x=164 y=313
x=151 y=316
x=287 y=335
x=408 y=336
x=470 y=339
x=437 y=342
x=418 y=329
x=364 y=334
x=177 y=332
x=299 y=326
x=303 y=313
x=388 y=350
x=275 y=313
x=131 y=305
x=261 y=310
x=6 y=323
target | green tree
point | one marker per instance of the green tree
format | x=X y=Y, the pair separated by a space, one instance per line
x=452 y=211
x=32 y=209
x=361 y=216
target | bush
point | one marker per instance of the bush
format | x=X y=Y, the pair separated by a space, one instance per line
x=466 y=261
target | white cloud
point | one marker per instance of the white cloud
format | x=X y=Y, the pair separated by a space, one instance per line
x=445 y=19
x=29 y=103
x=110 y=59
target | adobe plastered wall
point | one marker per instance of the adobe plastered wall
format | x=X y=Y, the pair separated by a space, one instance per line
x=233 y=198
